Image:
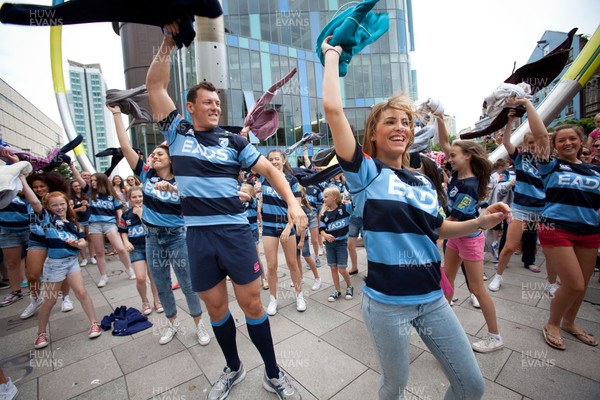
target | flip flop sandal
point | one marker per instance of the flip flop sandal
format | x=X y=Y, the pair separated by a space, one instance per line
x=548 y=337
x=582 y=336
x=534 y=268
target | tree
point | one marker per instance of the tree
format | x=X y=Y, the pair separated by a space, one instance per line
x=587 y=124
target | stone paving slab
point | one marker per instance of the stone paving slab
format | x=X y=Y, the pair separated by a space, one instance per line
x=326 y=344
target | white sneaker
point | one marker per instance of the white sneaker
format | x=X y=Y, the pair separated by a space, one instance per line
x=103 y=281
x=8 y=391
x=551 y=288
x=203 y=336
x=317 y=284
x=496 y=283
x=34 y=304
x=93 y=260
x=300 y=303
x=172 y=330
x=130 y=273
x=83 y=263
x=487 y=345
x=272 y=308
x=292 y=282
x=485 y=277
x=474 y=301
x=67 y=304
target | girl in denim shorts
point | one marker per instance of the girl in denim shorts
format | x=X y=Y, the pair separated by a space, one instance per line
x=64 y=239
x=133 y=233
x=335 y=224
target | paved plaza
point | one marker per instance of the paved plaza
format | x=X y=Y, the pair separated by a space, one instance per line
x=326 y=350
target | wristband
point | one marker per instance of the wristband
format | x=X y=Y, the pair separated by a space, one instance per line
x=331 y=48
x=479 y=227
x=118 y=112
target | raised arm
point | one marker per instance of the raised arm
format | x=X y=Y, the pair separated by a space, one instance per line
x=510 y=148
x=443 y=136
x=158 y=78
x=77 y=175
x=537 y=127
x=343 y=139
x=130 y=155
x=306 y=157
x=35 y=203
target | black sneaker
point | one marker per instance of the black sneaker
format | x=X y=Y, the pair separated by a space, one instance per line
x=334 y=296
x=281 y=386
x=220 y=390
x=349 y=292
x=4 y=285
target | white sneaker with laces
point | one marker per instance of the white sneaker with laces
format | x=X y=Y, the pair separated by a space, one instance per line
x=34 y=304
x=67 y=304
x=83 y=263
x=317 y=284
x=272 y=307
x=8 y=391
x=551 y=288
x=300 y=302
x=203 y=336
x=474 y=301
x=496 y=283
x=281 y=386
x=487 y=345
x=171 y=331
x=103 y=281
x=93 y=260
x=130 y=273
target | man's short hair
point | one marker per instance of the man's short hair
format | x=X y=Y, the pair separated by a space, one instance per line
x=193 y=93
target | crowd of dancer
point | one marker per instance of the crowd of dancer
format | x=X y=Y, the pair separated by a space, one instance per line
x=206 y=199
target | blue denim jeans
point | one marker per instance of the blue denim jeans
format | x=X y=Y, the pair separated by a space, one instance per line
x=390 y=328
x=165 y=249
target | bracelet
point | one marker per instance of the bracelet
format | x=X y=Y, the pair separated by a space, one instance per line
x=331 y=48
x=118 y=112
x=479 y=227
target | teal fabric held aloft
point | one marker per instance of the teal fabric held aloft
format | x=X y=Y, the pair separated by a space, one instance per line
x=353 y=29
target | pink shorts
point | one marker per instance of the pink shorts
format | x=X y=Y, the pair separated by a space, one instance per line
x=445 y=284
x=554 y=237
x=468 y=248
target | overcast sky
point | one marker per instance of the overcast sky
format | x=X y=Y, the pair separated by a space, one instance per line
x=463 y=49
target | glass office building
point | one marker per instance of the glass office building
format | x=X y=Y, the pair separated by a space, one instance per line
x=265 y=39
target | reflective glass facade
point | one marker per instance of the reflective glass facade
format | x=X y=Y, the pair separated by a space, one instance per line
x=265 y=39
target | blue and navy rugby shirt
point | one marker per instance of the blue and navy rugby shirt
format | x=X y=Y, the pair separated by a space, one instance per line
x=314 y=195
x=57 y=233
x=337 y=222
x=131 y=225
x=401 y=214
x=274 y=208
x=161 y=208
x=206 y=166
x=463 y=197
x=15 y=216
x=251 y=208
x=35 y=224
x=104 y=208
x=529 y=189
x=572 y=196
x=81 y=216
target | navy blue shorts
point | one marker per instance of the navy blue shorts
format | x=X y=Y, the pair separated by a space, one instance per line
x=305 y=247
x=275 y=232
x=221 y=250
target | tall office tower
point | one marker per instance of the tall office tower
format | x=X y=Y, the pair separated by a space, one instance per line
x=91 y=117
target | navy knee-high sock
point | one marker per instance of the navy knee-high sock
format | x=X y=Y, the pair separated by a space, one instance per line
x=260 y=334
x=225 y=333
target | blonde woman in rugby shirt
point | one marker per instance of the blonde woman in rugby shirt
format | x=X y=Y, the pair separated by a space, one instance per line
x=402 y=221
